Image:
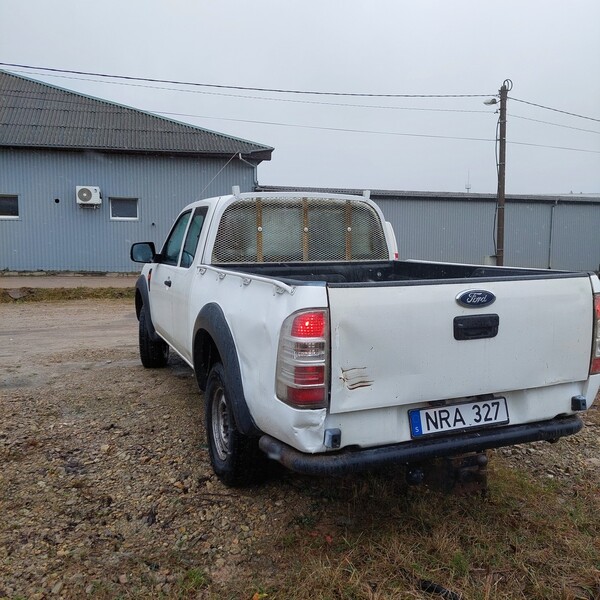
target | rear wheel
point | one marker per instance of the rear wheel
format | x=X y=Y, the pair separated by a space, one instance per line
x=153 y=353
x=236 y=458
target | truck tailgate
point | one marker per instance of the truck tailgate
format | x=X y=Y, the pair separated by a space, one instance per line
x=396 y=344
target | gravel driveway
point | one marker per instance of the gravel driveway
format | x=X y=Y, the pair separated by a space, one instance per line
x=106 y=481
x=106 y=488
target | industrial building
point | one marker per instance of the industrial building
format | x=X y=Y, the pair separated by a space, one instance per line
x=547 y=232
x=82 y=178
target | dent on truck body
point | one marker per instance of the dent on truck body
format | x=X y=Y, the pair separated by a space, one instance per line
x=356 y=378
x=301 y=429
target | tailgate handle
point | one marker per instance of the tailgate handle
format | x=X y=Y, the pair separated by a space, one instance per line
x=476 y=327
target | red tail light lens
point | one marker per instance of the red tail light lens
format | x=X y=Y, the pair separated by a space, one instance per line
x=306 y=397
x=595 y=364
x=309 y=325
x=303 y=360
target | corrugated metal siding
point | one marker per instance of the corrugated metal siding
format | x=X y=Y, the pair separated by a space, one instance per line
x=442 y=230
x=527 y=235
x=62 y=236
x=463 y=231
x=576 y=237
x=51 y=236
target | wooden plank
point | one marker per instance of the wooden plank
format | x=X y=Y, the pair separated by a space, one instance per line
x=304 y=229
x=348 y=225
x=259 y=231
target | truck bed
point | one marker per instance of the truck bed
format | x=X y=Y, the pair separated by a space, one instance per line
x=376 y=273
x=401 y=337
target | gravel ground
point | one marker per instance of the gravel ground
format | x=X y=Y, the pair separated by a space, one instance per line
x=106 y=488
x=105 y=476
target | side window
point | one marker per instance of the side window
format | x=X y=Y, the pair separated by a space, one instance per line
x=124 y=209
x=9 y=207
x=191 y=241
x=174 y=242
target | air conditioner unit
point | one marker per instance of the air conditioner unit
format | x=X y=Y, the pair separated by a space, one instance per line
x=88 y=195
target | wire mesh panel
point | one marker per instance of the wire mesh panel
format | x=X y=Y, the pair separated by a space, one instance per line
x=297 y=230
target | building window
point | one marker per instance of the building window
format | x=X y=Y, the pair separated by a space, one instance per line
x=124 y=209
x=9 y=207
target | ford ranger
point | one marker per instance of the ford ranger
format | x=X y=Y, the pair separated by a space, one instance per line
x=317 y=348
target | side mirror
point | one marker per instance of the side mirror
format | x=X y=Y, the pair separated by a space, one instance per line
x=143 y=252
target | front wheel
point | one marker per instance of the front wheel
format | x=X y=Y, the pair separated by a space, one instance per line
x=153 y=353
x=235 y=457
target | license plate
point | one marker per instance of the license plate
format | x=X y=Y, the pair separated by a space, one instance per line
x=428 y=421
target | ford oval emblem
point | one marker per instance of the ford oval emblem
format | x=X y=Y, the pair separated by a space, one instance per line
x=475 y=298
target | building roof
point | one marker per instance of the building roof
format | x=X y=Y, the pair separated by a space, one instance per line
x=466 y=196
x=39 y=115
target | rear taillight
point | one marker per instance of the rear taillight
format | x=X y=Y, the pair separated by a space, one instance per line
x=303 y=360
x=595 y=364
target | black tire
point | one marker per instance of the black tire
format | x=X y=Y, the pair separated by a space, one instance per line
x=236 y=458
x=154 y=354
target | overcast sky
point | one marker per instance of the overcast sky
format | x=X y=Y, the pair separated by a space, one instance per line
x=550 y=49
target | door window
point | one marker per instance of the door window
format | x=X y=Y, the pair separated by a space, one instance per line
x=193 y=235
x=174 y=242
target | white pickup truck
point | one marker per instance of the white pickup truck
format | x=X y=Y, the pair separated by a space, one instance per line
x=317 y=348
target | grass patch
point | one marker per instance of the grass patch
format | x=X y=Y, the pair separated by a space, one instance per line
x=62 y=294
x=374 y=538
x=194 y=580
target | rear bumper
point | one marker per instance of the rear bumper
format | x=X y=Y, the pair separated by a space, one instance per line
x=355 y=460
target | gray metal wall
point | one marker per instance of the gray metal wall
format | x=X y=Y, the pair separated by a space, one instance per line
x=61 y=236
x=576 y=237
x=454 y=231
x=563 y=235
x=527 y=235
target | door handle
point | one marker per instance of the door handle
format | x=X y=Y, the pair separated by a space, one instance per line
x=476 y=327
x=168 y=282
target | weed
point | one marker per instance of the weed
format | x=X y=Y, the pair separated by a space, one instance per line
x=194 y=580
x=459 y=564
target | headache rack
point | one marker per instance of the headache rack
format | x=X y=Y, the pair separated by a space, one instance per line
x=299 y=230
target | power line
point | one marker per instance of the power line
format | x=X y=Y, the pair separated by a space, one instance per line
x=343 y=130
x=564 y=112
x=554 y=124
x=431 y=136
x=339 y=129
x=554 y=147
x=336 y=104
x=245 y=88
x=320 y=103
x=288 y=91
x=394 y=133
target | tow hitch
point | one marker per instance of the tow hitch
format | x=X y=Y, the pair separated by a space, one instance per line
x=463 y=475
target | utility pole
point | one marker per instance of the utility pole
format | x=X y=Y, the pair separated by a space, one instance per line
x=506 y=87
